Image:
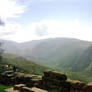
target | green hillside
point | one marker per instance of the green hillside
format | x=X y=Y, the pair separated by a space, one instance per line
x=24 y=64
x=59 y=52
x=63 y=54
x=84 y=62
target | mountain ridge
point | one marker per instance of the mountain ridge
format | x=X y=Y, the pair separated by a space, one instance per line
x=60 y=53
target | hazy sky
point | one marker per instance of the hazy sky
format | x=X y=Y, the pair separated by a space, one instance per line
x=27 y=20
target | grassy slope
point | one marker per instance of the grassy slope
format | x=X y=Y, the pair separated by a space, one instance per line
x=30 y=67
x=26 y=65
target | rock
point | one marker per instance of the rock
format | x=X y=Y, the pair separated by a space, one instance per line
x=55 y=75
x=34 y=89
x=88 y=87
x=66 y=84
x=10 y=90
x=19 y=87
x=52 y=80
x=77 y=86
x=38 y=90
x=26 y=89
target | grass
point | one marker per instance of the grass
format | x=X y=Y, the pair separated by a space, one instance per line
x=3 y=87
x=25 y=65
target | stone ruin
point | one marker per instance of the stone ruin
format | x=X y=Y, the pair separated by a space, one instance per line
x=49 y=81
x=56 y=80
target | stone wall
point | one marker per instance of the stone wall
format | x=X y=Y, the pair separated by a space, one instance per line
x=11 y=78
x=50 y=80
x=54 y=80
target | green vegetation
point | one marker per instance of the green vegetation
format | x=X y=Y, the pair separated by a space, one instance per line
x=71 y=56
x=58 y=53
x=24 y=64
x=3 y=87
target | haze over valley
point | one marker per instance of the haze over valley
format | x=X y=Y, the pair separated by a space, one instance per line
x=60 y=53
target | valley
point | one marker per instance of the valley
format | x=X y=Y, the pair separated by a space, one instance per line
x=69 y=55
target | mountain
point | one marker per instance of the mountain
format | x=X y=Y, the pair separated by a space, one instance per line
x=85 y=62
x=10 y=46
x=60 y=53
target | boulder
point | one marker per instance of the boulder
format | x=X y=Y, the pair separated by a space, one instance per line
x=77 y=86
x=25 y=89
x=52 y=80
x=88 y=87
x=18 y=87
x=55 y=75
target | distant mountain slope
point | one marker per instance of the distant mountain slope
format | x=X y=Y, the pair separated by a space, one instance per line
x=11 y=46
x=60 y=53
x=85 y=61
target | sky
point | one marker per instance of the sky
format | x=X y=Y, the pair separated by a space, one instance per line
x=26 y=20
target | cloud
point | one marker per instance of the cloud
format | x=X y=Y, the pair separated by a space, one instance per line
x=8 y=30
x=52 y=28
x=10 y=9
x=46 y=29
x=41 y=31
x=46 y=0
x=42 y=0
